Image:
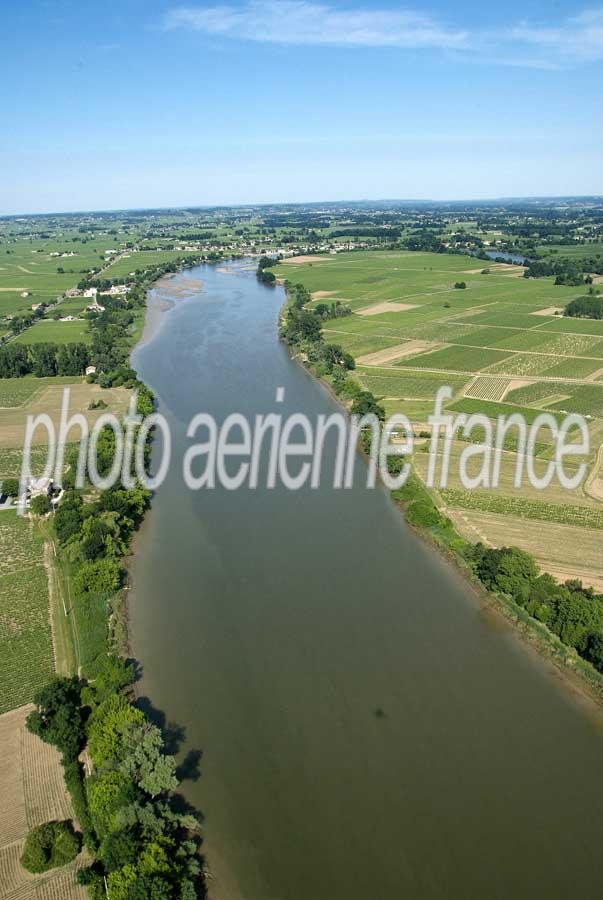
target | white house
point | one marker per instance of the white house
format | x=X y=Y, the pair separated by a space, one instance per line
x=90 y=370
x=90 y=292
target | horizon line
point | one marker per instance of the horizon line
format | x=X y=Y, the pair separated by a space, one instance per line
x=267 y=203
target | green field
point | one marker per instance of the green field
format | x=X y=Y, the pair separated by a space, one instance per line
x=18 y=391
x=131 y=262
x=525 y=509
x=27 y=659
x=503 y=326
x=57 y=332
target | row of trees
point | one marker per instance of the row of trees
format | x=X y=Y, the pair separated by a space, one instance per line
x=44 y=359
x=572 y=612
x=301 y=329
x=567 y=271
x=588 y=307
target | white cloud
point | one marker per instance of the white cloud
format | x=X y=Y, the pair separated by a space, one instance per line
x=300 y=22
x=578 y=39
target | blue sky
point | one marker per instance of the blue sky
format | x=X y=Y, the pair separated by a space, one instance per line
x=136 y=104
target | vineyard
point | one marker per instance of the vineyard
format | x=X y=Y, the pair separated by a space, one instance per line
x=524 y=509
x=18 y=391
x=485 y=388
x=537 y=392
x=27 y=658
x=456 y=358
x=419 y=385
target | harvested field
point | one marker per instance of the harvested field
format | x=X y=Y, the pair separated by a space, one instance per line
x=13 y=421
x=300 y=260
x=397 y=352
x=387 y=306
x=33 y=792
x=548 y=311
x=565 y=551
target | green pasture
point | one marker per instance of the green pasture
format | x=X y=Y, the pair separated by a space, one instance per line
x=56 y=332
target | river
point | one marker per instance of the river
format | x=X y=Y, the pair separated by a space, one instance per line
x=367 y=732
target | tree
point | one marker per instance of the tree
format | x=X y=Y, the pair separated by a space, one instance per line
x=58 y=718
x=460 y=285
x=40 y=505
x=592 y=649
x=10 y=486
x=507 y=569
x=100 y=576
x=144 y=760
x=50 y=845
x=366 y=404
x=267 y=277
x=106 y=728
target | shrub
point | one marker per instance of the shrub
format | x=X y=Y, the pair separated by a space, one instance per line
x=99 y=577
x=460 y=285
x=74 y=781
x=40 y=505
x=422 y=513
x=57 y=718
x=10 y=486
x=50 y=845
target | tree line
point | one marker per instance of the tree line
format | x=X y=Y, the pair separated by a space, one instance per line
x=571 y=611
x=301 y=329
x=588 y=307
x=42 y=360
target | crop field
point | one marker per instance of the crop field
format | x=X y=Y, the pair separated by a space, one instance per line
x=587 y=400
x=27 y=267
x=499 y=342
x=49 y=400
x=56 y=332
x=524 y=509
x=457 y=358
x=485 y=388
x=33 y=792
x=19 y=391
x=27 y=658
x=414 y=385
x=130 y=262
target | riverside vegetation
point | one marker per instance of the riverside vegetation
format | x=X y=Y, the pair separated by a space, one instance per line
x=119 y=775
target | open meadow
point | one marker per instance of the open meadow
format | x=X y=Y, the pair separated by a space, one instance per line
x=499 y=345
